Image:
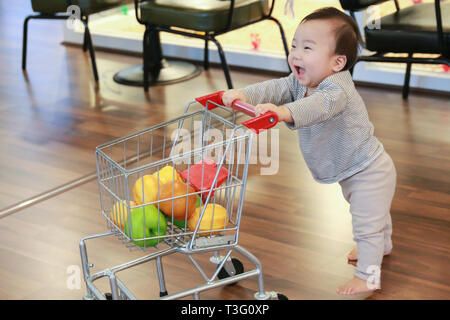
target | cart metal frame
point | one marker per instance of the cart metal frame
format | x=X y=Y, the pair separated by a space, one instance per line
x=116 y=174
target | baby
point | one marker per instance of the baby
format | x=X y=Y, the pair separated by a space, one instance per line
x=319 y=100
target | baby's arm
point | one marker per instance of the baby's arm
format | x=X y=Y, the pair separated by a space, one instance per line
x=271 y=92
x=318 y=107
x=276 y=91
x=283 y=112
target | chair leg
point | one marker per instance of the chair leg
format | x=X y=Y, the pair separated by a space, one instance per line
x=206 y=60
x=223 y=62
x=405 y=92
x=152 y=55
x=24 y=44
x=283 y=37
x=155 y=55
x=145 y=45
x=91 y=49
x=85 y=39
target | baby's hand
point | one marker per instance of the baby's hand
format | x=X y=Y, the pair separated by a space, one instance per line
x=231 y=95
x=264 y=107
x=283 y=113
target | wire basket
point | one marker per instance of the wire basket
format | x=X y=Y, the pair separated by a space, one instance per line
x=181 y=182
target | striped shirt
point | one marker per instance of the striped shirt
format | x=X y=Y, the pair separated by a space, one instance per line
x=335 y=134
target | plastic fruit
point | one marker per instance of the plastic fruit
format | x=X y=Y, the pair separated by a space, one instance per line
x=199 y=202
x=201 y=176
x=141 y=228
x=220 y=218
x=119 y=213
x=150 y=188
x=177 y=207
x=166 y=175
x=179 y=223
x=182 y=223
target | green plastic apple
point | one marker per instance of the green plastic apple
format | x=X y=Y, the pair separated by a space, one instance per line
x=182 y=223
x=148 y=228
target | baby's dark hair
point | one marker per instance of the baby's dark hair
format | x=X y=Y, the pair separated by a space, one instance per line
x=348 y=37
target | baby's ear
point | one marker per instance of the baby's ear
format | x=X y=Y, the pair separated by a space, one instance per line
x=339 y=63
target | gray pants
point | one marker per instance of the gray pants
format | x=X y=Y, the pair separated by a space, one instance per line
x=370 y=194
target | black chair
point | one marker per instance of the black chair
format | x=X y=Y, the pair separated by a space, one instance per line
x=206 y=18
x=57 y=10
x=421 y=28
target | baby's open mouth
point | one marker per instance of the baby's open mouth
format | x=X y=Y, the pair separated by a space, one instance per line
x=300 y=70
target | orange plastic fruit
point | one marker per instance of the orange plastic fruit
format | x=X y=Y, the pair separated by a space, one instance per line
x=179 y=207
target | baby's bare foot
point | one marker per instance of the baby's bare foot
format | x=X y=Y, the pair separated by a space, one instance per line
x=353 y=255
x=355 y=286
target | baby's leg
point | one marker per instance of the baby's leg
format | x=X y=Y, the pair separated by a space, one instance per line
x=369 y=237
x=370 y=193
x=353 y=255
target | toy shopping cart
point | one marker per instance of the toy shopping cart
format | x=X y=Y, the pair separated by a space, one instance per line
x=178 y=187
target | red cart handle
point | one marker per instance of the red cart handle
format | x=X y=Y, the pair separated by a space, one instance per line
x=257 y=124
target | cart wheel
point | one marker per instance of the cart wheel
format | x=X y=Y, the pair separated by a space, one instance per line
x=238 y=267
x=281 y=296
x=162 y=294
x=108 y=296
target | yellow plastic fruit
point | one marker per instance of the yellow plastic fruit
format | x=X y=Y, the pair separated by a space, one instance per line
x=166 y=175
x=119 y=213
x=149 y=186
x=221 y=218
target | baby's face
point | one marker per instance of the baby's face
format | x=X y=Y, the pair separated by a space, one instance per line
x=312 y=57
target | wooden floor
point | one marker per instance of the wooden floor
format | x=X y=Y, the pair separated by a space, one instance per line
x=52 y=118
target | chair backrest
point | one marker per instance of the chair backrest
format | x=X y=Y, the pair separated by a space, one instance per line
x=86 y=6
x=356 y=5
